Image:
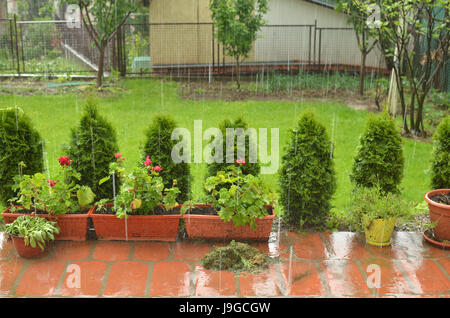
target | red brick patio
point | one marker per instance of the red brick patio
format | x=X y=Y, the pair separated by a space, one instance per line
x=322 y=265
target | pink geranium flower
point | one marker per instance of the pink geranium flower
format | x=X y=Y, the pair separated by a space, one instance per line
x=157 y=168
x=240 y=161
x=147 y=161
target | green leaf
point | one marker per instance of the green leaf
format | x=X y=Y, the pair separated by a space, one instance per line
x=85 y=196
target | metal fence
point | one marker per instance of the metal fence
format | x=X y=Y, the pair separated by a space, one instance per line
x=61 y=47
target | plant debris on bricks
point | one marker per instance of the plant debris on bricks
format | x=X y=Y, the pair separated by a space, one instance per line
x=236 y=257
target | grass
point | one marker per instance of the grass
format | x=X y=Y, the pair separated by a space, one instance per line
x=132 y=111
x=273 y=82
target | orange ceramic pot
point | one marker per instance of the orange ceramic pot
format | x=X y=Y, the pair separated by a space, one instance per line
x=72 y=227
x=214 y=228
x=440 y=213
x=26 y=251
x=135 y=227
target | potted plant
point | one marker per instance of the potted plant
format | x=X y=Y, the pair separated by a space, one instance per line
x=439 y=207
x=376 y=213
x=59 y=199
x=240 y=207
x=142 y=210
x=31 y=234
x=439 y=199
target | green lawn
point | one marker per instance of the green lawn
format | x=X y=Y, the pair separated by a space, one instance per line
x=132 y=112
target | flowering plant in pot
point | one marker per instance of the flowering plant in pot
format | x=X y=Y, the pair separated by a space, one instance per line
x=60 y=199
x=240 y=207
x=31 y=234
x=376 y=213
x=142 y=210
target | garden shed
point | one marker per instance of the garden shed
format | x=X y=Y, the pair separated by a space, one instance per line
x=298 y=32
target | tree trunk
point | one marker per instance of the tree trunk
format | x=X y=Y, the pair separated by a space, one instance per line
x=101 y=60
x=412 y=107
x=238 y=73
x=362 y=73
x=419 y=115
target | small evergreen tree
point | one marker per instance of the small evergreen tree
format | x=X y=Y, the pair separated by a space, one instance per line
x=158 y=146
x=307 y=177
x=440 y=178
x=379 y=160
x=92 y=148
x=19 y=142
x=252 y=168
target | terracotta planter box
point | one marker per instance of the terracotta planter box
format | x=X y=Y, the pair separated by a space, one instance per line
x=135 y=227
x=73 y=227
x=212 y=227
x=440 y=213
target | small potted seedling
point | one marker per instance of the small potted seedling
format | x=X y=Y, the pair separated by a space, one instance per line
x=30 y=234
x=376 y=213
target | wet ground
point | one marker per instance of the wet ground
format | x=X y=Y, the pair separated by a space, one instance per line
x=336 y=264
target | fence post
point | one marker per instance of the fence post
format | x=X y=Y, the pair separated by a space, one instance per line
x=21 y=48
x=320 y=44
x=309 y=44
x=11 y=41
x=315 y=30
x=212 y=44
x=17 y=45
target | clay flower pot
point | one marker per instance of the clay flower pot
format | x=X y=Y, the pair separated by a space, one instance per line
x=26 y=251
x=440 y=213
x=212 y=227
x=135 y=227
x=73 y=227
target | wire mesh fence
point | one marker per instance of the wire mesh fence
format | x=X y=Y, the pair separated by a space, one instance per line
x=63 y=47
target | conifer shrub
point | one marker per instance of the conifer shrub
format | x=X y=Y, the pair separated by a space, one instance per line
x=307 y=177
x=158 y=146
x=440 y=169
x=92 y=148
x=379 y=160
x=19 y=142
x=240 y=127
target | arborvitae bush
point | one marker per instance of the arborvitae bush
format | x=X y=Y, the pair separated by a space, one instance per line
x=307 y=176
x=440 y=175
x=158 y=146
x=252 y=168
x=379 y=160
x=92 y=147
x=19 y=142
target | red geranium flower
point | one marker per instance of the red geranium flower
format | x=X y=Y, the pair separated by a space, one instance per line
x=64 y=161
x=51 y=183
x=240 y=161
x=117 y=155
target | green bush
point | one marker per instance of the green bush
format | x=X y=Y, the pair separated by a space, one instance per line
x=307 y=177
x=249 y=167
x=92 y=147
x=158 y=146
x=19 y=142
x=440 y=178
x=369 y=204
x=379 y=159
